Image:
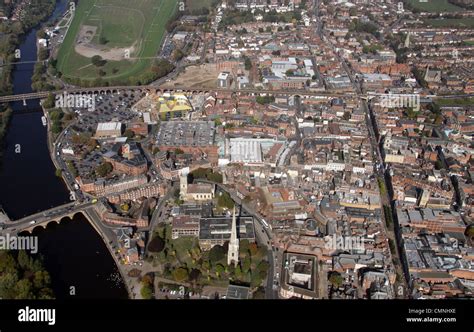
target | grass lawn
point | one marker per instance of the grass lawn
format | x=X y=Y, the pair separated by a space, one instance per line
x=435 y=6
x=455 y=101
x=123 y=24
x=198 y=4
x=122 y=32
x=451 y=22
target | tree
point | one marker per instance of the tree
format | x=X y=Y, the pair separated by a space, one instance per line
x=162 y=68
x=56 y=114
x=24 y=260
x=49 y=102
x=225 y=201
x=56 y=127
x=265 y=99
x=157 y=244
x=259 y=294
x=103 y=40
x=216 y=254
x=206 y=265
x=255 y=280
x=219 y=270
x=98 y=61
x=470 y=231
x=244 y=245
x=263 y=266
x=248 y=63
x=41 y=34
x=23 y=277
x=335 y=279
x=146 y=292
x=43 y=54
x=178 y=54
x=180 y=274
x=253 y=249
x=68 y=116
x=24 y=289
x=104 y=169
x=92 y=143
x=129 y=134
x=246 y=264
x=215 y=177
x=238 y=272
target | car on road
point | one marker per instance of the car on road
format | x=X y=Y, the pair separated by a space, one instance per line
x=32 y=222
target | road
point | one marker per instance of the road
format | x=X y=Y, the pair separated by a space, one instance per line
x=376 y=153
x=56 y=213
x=155 y=218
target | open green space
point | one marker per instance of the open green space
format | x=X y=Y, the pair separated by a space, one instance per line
x=455 y=101
x=138 y=25
x=121 y=32
x=451 y=22
x=198 y=4
x=434 y=6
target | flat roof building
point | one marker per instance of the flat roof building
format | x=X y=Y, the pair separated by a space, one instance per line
x=299 y=278
x=217 y=230
x=235 y=292
x=108 y=129
x=189 y=133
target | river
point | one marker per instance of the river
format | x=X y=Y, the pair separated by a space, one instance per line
x=73 y=252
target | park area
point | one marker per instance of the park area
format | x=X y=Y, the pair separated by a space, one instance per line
x=124 y=38
x=192 y=5
x=459 y=23
x=434 y=6
x=181 y=260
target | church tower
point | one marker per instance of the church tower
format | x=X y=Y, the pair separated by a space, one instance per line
x=233 y=253
x=183 y=184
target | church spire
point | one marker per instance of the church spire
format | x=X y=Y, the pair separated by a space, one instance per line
x=233 y=252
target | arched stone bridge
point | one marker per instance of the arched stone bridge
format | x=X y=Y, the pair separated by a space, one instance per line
x=42 y=219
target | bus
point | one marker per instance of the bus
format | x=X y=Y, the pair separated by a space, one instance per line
x=264 y=223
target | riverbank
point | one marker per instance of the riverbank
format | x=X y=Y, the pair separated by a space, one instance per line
x=13 y=33
x=5 y=117
x=127 y=281
x=51 y=140
x=14 y=30
x=74 y=253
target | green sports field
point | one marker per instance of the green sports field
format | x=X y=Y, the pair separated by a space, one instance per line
x=461 y=23
x=114 y=27
x=435 y=6
x=198 y=4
